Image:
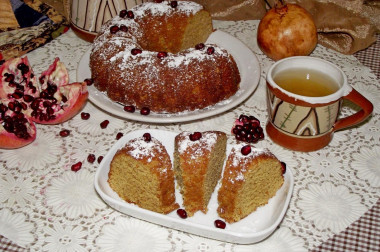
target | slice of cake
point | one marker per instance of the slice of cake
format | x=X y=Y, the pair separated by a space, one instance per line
x=198 y=163
x=141 y=173
x=251 y=177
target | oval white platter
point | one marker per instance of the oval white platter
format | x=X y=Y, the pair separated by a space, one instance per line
x=254 y=228
x=246 y=61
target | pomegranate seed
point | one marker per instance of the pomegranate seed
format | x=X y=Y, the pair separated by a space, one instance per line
x=123 y=28
x=283 y=167
x=76 y=167
x=136 y=51
x=123 y=13
x=89 y=81
x=91 y=158
x=158 y=1
x=28 y=98
x=245 y=150
x=195 y=136
x=162 y=55
x=114 y=29
x=182 y=213
x=210 y=50
x=9 y=77
x=104 y=124
x=173 y=4
x=130 y=14
x=64 y=133
x=85 y=116
x=119 y=135
x=23 y=68
x=129 y=108
x=147 y=137
x=199 y=46
x=100 y=158
x=145 y=111
x=220 y=224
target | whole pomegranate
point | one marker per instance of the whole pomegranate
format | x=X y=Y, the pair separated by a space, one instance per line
x=287 y=30
x=24 y=99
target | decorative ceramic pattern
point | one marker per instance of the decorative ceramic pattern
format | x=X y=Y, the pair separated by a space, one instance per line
x=44 y=206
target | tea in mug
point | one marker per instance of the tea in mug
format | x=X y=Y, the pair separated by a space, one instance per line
x=306 y=82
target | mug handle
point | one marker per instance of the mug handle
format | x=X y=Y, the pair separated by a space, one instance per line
x=366 y=110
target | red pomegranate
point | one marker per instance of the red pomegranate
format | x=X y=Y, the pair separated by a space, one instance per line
x=50 y=99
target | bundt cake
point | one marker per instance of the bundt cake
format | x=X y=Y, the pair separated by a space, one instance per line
x=154 y=56
x=142 y=173
x=250 y=178
x=198 y=163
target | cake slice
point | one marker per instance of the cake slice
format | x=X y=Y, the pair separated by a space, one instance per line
x=141 y=173
x=250 y=178
x=198 y=163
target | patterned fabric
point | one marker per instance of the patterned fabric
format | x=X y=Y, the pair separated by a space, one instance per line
x=39 y=24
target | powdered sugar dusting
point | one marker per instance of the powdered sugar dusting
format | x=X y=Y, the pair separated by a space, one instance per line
x=206 y=142
x=164 y=8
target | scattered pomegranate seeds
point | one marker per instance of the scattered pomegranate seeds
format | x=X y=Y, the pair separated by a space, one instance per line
x=123 y=28
x=173 y=4
x=248 y=129
x=104 y=124
x=210 y=50
x=245 y=150
x=129 y=108
x=162 y=55
x=220 y=224
x=123 y=13
x=119 y=135
x=100 y=158
x=195 y=136
x=147 y=137
x=130 y=14
x=182 y=213
x=199 y=46
x=144 y=111
x=114 y=29
x=89 y=81
x=85 y=115
x=76 y=167
x=283 y=167
x=64 y=133
x=91 y=158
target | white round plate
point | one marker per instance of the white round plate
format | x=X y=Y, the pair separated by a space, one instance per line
x=246 y=61
x=254 y=228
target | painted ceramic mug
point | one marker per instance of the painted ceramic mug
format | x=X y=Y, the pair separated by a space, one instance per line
x=307 y=123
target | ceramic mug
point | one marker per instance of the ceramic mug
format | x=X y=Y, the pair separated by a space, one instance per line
x=306 y=123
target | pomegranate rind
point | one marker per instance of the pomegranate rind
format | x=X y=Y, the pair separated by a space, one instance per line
x=56 y=73
x=77 y=95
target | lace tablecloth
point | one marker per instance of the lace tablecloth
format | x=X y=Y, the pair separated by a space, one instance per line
x=44 y=206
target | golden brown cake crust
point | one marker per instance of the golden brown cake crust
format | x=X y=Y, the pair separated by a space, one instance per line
x=248 y=182
x=186 y=79
x=198 y=166
x=142 y=173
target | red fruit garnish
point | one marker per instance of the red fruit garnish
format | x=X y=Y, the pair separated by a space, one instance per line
x=91 y=158
x=145 y=111
x=195 y=136
x=76 y=167
x=64 y=133
x=100 y=158
x=89 y=81
x=26 y=99
x=210 y=50
x=220 y=224
x=147 y=137
x=114 y=29
x=173 y=4
x=130 y=14
x=104 y=124
x=129 y=108
x=123 y=13
x=247 y=129
x=245 y=150
x=162 y=55
x=119 y=135
x=182 y=213
x=283 y=167
x=85 y=116
x=123 y=28
x=136 y=51
x=199 y=46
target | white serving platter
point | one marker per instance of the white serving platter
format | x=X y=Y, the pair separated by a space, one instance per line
x=246 y=61
x=254 y=228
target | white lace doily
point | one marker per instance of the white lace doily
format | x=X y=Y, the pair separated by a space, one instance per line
x=44 y=206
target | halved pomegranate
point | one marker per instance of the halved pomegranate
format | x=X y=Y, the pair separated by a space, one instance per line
x=48 y=100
